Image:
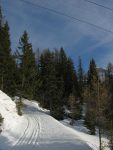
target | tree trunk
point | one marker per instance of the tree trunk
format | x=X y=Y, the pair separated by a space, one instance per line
x=100 y=138
x=2 y=85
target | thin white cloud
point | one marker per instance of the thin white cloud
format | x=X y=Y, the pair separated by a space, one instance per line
x=72 y=32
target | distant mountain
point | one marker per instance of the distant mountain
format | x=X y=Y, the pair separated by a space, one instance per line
x=102 y=73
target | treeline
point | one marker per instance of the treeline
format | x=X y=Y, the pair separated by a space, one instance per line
x=50 y=78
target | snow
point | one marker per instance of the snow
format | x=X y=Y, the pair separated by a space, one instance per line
x=8 y=111
x=36 y=129
x=81 y=131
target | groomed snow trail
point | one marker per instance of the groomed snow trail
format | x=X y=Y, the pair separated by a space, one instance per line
x=40 y=131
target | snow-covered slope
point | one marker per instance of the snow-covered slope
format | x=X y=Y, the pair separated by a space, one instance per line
x=35 y=130
x=8 y=111
x=81 y=131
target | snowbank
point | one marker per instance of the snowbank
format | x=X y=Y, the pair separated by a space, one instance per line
x=81 y=131
x=8 y=111
x=38 y=130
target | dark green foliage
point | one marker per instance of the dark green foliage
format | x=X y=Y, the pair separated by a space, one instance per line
x=51 y=79
x=7 y=62
x=67 y=73
x=1 y=18
x=27 y=67
x=109 y=86
x=74 y=107
x=92 y=75
x=91 y=96
x=58 y=77
x=90 y=121
x=71 y=78
x=109 y=105
x=51 y=89
x=80 y=81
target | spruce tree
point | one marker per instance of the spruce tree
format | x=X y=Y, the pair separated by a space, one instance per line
x=109 y=83
x=74 y=107
x=7 y=62
x=70 y=74
x=27 y=67
x=63 y=71
x=80 y=80
x=1 y=17
x=51 y=89
x=92 y=93
x=109 y=106
x=101 y=105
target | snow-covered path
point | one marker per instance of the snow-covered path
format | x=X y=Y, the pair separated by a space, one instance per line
x=44 y=133
x=39 y=131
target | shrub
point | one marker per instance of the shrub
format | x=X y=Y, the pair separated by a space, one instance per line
x=1 y=121
x=19 y=106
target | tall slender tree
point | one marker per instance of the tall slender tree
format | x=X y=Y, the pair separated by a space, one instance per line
x=7 y=63
x=27 y=67
x=92 y=93
x=51 y=90
x=80 y=80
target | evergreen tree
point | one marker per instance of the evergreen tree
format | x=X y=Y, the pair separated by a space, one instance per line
x=69 y=83
x=80 y=80
x=74 y=107
x=109 y=83
x=73 y=110
x=1 y=18
x=27 y=67
x=7 y=62
x=101 y=105
x=68 y=74
x=45 y=75
x=63 y=71
x=109 y=106
x=51 y=89
x=92 y=93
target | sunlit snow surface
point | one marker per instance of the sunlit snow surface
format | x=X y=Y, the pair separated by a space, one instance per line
x=37 y=130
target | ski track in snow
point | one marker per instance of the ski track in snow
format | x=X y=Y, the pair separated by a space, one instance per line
x=22 y=136
x=31 y=133
x=36 y=130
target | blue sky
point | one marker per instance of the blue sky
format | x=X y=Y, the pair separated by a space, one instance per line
x=49 y=30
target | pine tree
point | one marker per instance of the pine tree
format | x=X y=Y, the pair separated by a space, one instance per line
x=92 y=93
x=74 y=107
x=1 y=17
x=63 y=71
x=70 y=74
x=2 y=22
x=27 y=67
x=45 y=73
x=7 y=63
x=109 y=106
x=101 y=105
x=51 y=89
x=109 y=82
x=80 y=80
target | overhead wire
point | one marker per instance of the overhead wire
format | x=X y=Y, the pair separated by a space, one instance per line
x=66 y=15
x=100 y=5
